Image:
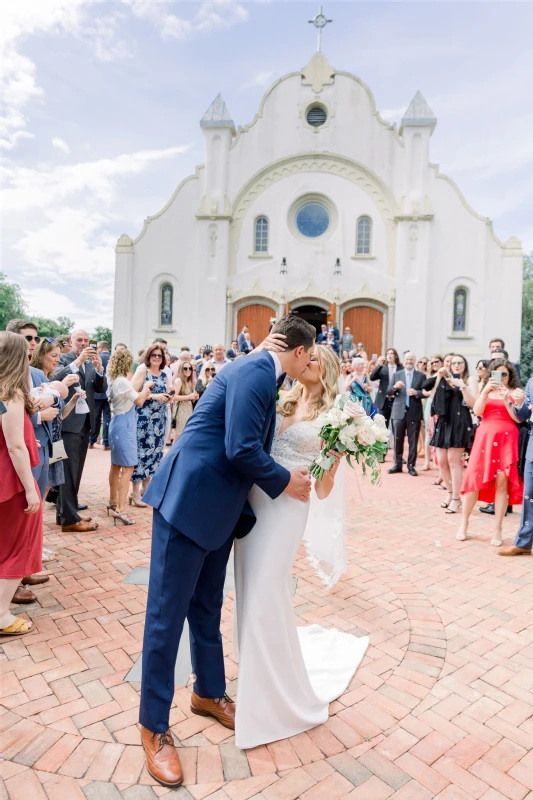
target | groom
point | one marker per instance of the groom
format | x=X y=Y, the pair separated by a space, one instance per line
x=224 y=449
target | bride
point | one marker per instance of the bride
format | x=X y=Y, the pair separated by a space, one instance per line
x=288 y=675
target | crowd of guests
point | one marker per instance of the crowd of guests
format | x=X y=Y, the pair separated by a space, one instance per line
x=60 y=397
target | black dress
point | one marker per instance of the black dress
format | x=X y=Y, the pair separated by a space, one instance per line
x=454 y=426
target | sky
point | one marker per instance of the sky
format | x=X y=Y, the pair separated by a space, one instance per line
x=102 y=102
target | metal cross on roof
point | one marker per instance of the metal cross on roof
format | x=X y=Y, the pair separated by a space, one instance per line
x=320 y=21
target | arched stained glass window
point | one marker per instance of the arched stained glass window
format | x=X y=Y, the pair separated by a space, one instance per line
x=364 y=236
x=167 y=297
x=459 y=310
x=261 y=235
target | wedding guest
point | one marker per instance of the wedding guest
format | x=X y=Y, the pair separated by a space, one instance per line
x=246 y=347
x=64 y=343
x=323 y=335
x=241 y=336
x=454 y=429
x=151 y=421
x=121 y=346
x=406 y=412
x=86 y=363
x=360 y=351
x=481 y=373
x=428 y=389
x=384 y=371
x=232 y=351
x=184 y=398
x=207 y=355
x=492 y=470
x=346 y=341
x=20 y=501
x=207 y=374
x=123 y=399
x=219 y=356
x=102 y=413
x=360 y=387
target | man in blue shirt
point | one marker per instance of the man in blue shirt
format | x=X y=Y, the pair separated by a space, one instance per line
x=101 y=404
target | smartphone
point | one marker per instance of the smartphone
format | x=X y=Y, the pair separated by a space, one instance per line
x=374 y=356
x=171 y=392
x=93 y=343
x=496 y=376
x=456 y=375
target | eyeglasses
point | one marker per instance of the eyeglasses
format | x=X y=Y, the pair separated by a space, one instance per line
x=35 y=339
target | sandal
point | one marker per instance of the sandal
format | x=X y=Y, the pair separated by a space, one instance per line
x=461 y=537
x=454 y=510
x=446 y=503
x=136 y=501
x=16 y=627
x=437 y=482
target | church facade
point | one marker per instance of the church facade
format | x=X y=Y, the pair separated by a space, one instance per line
x=321 y=207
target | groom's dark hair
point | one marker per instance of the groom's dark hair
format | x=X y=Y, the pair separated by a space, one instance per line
x=297 y=331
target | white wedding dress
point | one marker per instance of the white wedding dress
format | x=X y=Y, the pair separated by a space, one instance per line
x=288 y=675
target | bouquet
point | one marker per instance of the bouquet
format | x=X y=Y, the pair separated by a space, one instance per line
x=347 y=428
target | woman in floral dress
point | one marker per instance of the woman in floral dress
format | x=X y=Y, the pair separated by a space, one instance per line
x=151 y=421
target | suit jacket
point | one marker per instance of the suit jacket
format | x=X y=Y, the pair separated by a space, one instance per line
x=381 y=374
x=399 y=408
x=524 y=413
x=346 y=341
x=105 y=361
x=90 y=381
x=222 y=451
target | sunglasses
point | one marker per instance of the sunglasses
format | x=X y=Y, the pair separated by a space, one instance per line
x=35 y=339
x=210 y=370
x=504 y=374
x=187 y=369
x=155 y=355
x=49 y=340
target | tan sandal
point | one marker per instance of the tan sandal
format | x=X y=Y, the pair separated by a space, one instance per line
x=17 y=628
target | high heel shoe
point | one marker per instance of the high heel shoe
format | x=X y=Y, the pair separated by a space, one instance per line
x=122 y=517
x=134 y=501
x=111 y=507
x=454 y=510
x=446 y=503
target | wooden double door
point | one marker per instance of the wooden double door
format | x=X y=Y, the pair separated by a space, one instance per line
x=366 y=325
x=257 y=317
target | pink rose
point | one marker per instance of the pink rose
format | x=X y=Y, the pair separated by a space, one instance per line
x=355 y=410
x=366 y=436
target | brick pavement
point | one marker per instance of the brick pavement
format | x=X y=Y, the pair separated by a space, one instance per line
x=442 y=705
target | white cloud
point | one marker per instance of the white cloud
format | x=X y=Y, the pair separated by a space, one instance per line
x=60 y=144
x=44 y=187
x=216 y=14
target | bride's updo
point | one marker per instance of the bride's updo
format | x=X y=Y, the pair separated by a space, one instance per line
x=329 y=375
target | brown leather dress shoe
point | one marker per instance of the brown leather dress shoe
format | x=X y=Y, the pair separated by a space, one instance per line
x=162 y=758
x=80 y=527
x=221 y=708
x=514 y=551
x=23 y=596
x=35 y=580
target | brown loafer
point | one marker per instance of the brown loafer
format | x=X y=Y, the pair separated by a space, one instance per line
x=80 y=527
x=35 y=580
x=23 y=596
x=162 y=758
x=221 y=708
x=514 y=551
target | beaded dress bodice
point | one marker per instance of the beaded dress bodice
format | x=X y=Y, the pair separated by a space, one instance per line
x=298 y=445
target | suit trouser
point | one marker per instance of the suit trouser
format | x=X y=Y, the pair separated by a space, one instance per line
x=412 y=429
x=101 y=409
x=524 y=537
x=186 y=582
x=76 y=445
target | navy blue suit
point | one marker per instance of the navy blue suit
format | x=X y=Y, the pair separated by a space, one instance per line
x=524 y=537
x=199 y=494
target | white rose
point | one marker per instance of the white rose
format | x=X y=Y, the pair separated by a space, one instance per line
x=347 y=435
x=380 y=421
x=382 y=435
x=366 y=436
x=354 y=409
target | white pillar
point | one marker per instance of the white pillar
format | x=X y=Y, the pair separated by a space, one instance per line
x=123 y=300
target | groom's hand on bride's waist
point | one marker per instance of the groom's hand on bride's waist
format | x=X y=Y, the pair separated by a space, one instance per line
x=299 y=485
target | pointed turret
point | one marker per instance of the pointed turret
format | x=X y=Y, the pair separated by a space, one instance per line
x=218 y=115
x=419 y=114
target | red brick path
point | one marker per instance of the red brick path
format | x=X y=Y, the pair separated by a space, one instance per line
x=442 y=705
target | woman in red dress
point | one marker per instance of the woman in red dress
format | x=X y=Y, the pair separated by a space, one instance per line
x=492 y=472
x=20 y=502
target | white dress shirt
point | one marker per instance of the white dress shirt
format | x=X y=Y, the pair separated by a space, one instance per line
x=277 y=363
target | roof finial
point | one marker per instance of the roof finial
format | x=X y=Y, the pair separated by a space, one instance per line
x=320 y=21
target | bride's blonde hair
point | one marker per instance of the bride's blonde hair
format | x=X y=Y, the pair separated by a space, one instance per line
x=329 y=375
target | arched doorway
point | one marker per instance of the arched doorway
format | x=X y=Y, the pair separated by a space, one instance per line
x=366 y=325
x=257 y=317
x=314 y=315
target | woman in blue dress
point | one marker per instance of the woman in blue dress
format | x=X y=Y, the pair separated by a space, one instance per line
x=360 y=386
x=151 y=421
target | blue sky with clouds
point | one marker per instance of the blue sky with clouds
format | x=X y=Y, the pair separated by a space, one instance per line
x=102 y=102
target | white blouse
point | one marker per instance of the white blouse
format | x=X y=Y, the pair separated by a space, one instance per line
x=121 y=395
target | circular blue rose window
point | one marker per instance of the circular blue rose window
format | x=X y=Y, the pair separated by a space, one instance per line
x=312 y=219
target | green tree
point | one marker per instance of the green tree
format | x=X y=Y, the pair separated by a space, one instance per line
x=102 y=334
x=11 y=302
x=526 y=350
x=51 y=327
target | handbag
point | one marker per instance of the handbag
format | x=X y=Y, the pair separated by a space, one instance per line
x=58 y=452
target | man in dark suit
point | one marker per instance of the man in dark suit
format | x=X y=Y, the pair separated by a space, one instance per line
x=85 y=361
x=407 y=412
x=101 y=404
x=223 y=448
x=241 y=339
x=384 y=372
